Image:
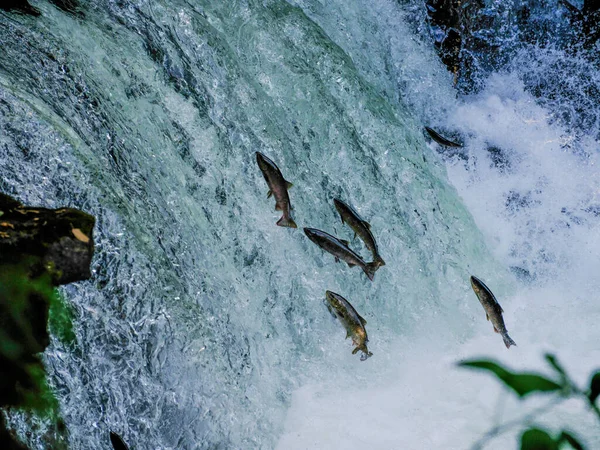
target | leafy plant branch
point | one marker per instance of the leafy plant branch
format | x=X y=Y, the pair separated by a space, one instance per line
x=524 y=384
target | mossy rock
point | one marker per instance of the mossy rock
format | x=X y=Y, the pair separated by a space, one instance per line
x=40 y=249
x=57 y=241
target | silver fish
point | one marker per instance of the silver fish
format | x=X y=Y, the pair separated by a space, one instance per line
x=340 y=250
x=493 y=310
x=441 y=139
x=351 y=320
x=360 y=227
x=278 y=187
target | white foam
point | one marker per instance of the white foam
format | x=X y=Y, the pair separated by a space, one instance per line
x=535 y=214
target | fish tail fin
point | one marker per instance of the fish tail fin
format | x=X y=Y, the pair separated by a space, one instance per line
x=287 y=222
x=508 y=341
x=370 y=269
x=365 y=355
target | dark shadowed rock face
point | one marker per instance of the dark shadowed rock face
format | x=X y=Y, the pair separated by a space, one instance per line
x=453 y=23
x=19 y=6
x=476 y=37
x=39 y=248
x=24 y=7
x=59 y=240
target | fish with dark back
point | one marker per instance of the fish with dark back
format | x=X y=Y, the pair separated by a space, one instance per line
x=493 y=310
x=117 y=442
x=354 y=324
x=360 y=227
x=278 y=188
x=441 y=139
x=340 y=250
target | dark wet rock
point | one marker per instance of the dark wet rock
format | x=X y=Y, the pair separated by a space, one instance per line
x=453 y=25
x=58 y=241
x=585 y=21
x=40 y=248
x=19 y=6
x=473 y=38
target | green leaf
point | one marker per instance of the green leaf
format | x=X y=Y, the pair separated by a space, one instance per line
x=561 y=371
x=536 y=439
x=60 y=320
x=594 y=387
x=522 y=383
x=570 y=439
x=24 y=304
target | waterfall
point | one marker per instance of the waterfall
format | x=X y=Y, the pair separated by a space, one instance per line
x=203 y=325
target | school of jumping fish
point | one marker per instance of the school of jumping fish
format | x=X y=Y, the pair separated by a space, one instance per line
x=337 y=305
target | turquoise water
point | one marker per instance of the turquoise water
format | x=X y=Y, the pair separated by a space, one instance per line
x=203 y=325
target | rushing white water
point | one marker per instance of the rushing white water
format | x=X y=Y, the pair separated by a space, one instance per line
x=203 y=326
x=533 y=188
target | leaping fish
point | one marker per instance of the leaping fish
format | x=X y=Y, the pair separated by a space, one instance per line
x=278 y=187
x=360 y=227
x=493 y=310
x=117 y=442
x=441 y=139
x=340 y=250
x=353 y=323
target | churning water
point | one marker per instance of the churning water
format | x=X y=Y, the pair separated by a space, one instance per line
x=203 y=325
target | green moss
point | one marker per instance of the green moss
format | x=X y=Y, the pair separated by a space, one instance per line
x=24 y=310
x=60 y=322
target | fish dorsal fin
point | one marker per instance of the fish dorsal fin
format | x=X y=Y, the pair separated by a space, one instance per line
x=367 y=224
x=269 y=194
x=289 y=185
x=486 y=316
x=337 y=259
x=362 y=320
x=346 y=243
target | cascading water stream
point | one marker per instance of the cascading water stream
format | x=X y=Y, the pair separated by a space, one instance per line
x=204 y=325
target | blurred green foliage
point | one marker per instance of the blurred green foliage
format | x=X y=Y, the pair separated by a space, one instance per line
x=522 y=383
x=29 y=307
x=60 y=322
x=526 y=383
x=24 y=308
